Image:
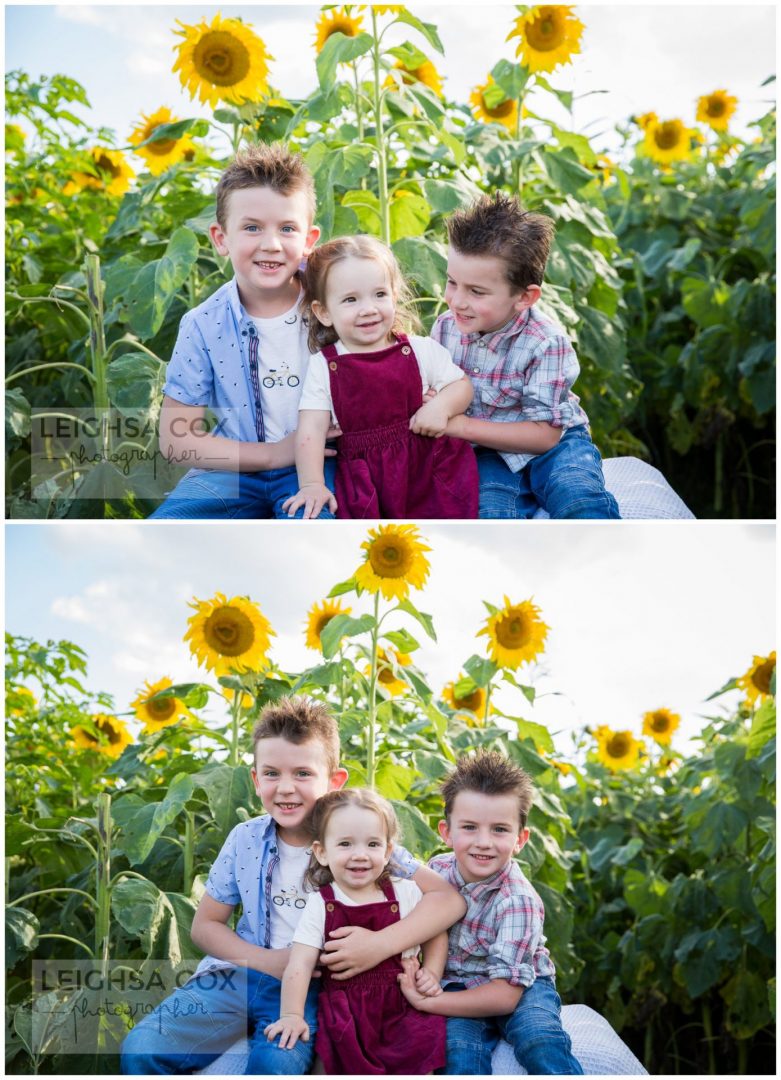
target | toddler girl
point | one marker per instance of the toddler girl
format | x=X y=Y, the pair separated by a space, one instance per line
x=364 y=1024
x=393 y=459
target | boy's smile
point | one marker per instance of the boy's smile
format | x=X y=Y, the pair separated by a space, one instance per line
x=289 y=778
x=266 y=236
x=479 y=294
x=484 y=833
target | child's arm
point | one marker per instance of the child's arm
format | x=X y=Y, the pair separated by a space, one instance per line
x=211 y=933
x=310 y=436
x=291 y=1025
x=352 y=949
x=497 y=997
x=183 y=441
x=429 y=974
x=513 y=437
x=432 y=417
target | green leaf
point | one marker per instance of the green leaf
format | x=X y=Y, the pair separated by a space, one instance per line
x=135 y=381
x=538 y=734
x=179 y=939
x=142 y=824
x=227 y=789
x=746 y=995
x=428 y=30
x=425 y=620
x=403 y=641
x=139 y=907
x=343 y=587
x=343 y=626
x=340 y=49
x=528 y=691
x=731 y=684
x=565 y=171
x=480 y=669
x=564 y=96
x=578 y=143
x=763 y=728
x=511 y=80
x=409 y=215
x=416 y=834
x=394 y=781
x=645 y=892
x=175 y=130
x=21 y=935
x=720 y=828
x=704 y=301
x=409 y=54
x=17 y=413
x=445 y=196
x=157 y=283
x=423 y=262
x=324 y=675
x=366 y=207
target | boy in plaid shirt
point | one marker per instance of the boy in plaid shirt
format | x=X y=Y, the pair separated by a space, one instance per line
x=531 y=435
x=500 y=975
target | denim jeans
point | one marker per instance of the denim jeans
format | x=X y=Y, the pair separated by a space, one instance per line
x=566 y=481
x=210 y=495
x=534 y=1031
x=203 y=1018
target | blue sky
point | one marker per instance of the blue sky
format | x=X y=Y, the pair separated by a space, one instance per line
x=660 y=57
x=641 y=616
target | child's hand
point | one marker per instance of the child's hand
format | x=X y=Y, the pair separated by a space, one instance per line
x=427 y=983
x=430 y=419
x=290 y=1028
x=349 y=951
x=313 y=497
x=408 y=988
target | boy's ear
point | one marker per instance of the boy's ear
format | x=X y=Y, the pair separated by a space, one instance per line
x=529 y=296
x=254 y=774
x=444 y=831
x=338 y=779
x=217 y=235
x=311 y=238
x=321 y=314
x=520 y=843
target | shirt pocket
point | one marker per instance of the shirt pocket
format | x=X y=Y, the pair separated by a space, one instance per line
x=508 y=396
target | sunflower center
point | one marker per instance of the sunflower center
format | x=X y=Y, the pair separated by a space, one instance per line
x=762 y=676
x=660 y=722
x=321 y=624
x=388 y=559
x=161 y=146
x=618 y=746
x=547 y=32
x=667 y=135
x=473 y=702
x=106 y=165
x=500 y=111
x=385 y=675
x=105 y=727
x=512 y=630
x=341 y=26
x=716 y=107
x=221 y=59
x=229 y=632
x=161 y=708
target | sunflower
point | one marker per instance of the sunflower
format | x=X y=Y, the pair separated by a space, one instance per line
x=247 y=700
x=715 y=109
x=157 y=713
x=604 y=167
x=394 y=560
x=617 y=749
x=336 y=21
x=112 y=173
x=506 y=112
x=660 y=725
x=426 y=74
x=547 y=36
x=473 y=702
x=20 y=700
x=515 y=634
x=111 y=740
x=385 y=674
x=318 y=617
x=562 y=766
x=645 y=120
x=224 y=60
x=756 y=681
x=387 y=9
x=667 y=141
x=159 y=155
x=228 y=635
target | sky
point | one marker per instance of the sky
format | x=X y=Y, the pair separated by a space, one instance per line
x=642 y=616
x=634 y=57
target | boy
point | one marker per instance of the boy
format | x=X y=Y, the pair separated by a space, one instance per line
x=500 y=974
x=531 y=435
x=236 y=989
x=243 y=352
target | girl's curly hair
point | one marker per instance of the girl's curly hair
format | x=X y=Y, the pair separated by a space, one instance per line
x=317 y=875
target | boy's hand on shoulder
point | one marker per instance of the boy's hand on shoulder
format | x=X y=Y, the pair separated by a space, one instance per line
x=349 y=951
x=290 y=1029
x=427 y=983
x=313 y=497
x=431 y=419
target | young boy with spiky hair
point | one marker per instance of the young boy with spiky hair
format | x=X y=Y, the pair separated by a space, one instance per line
x=499 y=974
x=243 y=354
x=531 y=435
x=235 y=990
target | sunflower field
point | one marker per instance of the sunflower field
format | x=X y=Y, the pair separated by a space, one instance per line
x=663 y=271
x=656 y=868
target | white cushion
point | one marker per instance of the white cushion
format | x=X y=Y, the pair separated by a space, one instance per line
x=594 y=1043
x=640 y=491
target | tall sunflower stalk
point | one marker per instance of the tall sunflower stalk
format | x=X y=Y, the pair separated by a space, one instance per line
x=382 y=161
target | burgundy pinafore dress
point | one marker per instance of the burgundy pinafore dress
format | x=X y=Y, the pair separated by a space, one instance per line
x=384 y=470
x=365 y=1025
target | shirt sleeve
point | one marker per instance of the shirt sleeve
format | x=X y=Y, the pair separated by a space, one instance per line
x=519 y=922
x=436 y=330
x=409 y=896
x=221 y=884
x=189 y=377
x=552 y=371
x=437 y=369
x=402 y=864
x=311 y=926
x=316 y=393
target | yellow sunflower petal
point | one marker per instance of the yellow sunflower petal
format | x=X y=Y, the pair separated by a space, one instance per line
x=222 y=60
x=661 y=725
x=386 y=676
x=336 y=21
x=617 y=749
x=667 y=141
x=158 y=713
x=247 y=700
x=159 y=155
x=505 y=112
x=548 y=35
x=229 y=635
x=111 y=174
x=19 y=700
x=474 y=702
x=394 y=561
x=318 y=617
x=756 y=681
x=111 y=739
x=716 y=109
x=426 y=74
x=646 y=119
x=516 y=634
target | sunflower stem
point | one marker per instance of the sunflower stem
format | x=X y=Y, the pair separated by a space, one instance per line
x=373 y=689
x=358 y=109
x=189 y=839
x=708 y=1029
x=103 y=882
x=233 y=759
x=382 y=165
x=517 y=169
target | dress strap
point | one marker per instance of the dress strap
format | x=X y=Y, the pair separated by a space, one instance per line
x=327 y=892
x=329 y=352
x=388 y=890
x=401 y=338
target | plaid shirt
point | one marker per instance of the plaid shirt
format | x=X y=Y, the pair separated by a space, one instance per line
x=522 y=371
x=500 y=937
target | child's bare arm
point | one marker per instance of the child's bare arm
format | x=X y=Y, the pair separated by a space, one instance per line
x=433 y=416
x=291 y=1025
x=497 y=997
x=513 y=437
x=184 y=440
x=313 y=495
x=351 y=949
x=211 y=933
x=429 y=975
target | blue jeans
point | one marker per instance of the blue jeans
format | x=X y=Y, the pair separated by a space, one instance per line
x=202 y=1019
x=208 y=494
x=566 y=481
x=534 y=1031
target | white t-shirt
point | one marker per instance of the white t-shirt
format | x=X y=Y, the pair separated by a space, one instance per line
x=435 y=364
x=283 y=359
x=288 y=899
x=311 y=925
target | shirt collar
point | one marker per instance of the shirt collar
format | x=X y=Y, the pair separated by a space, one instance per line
x=478 y=888
x=494 y=339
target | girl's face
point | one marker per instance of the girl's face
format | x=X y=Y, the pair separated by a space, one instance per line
x=355 y=847
x=359 y=304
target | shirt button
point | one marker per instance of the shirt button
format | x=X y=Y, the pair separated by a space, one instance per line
x=481 y=344
x=476 y=371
